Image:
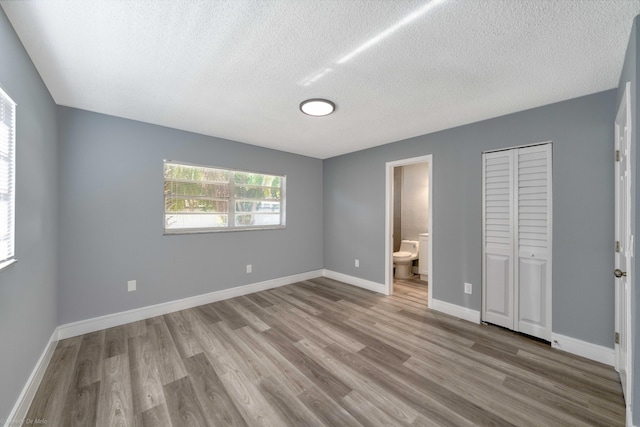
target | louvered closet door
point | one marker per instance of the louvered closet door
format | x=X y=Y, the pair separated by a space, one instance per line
x=498 y=298
x=533 y=240
x=517 y=239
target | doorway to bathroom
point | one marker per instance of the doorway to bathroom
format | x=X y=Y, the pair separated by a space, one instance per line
x=409 y=188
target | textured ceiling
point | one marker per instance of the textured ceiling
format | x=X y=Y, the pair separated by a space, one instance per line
x=238 y=69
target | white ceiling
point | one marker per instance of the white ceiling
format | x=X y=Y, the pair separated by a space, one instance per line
x=238 y=69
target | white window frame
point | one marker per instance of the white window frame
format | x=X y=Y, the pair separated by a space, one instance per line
x=231 y=226
x=8 y=226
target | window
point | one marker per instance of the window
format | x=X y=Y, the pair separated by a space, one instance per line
x=203 y=199
x=7 y=178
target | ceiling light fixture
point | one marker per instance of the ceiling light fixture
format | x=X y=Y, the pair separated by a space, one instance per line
x=317 y=107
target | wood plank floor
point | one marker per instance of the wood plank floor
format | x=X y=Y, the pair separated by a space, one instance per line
x=320 y=353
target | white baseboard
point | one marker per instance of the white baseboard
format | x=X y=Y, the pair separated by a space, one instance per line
x=578 y=347
x=455 y=310
x=355 y=281
x=110 y=320
x=19 y=411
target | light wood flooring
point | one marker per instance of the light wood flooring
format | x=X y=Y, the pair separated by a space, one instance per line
x=320 y=353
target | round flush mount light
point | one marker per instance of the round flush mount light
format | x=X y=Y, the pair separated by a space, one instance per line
x=317 y=107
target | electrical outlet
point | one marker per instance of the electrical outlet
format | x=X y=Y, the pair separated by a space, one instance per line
x=468 y=287
x=357 y=263
x=249 y=268
x=131 y=285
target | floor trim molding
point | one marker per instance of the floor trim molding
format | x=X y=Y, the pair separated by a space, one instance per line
x=116 y=319
x=19 y=411
x=586 y=349
x=355 y=281
x=456 y=310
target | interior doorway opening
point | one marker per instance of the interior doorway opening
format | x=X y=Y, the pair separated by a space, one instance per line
x=426 y=225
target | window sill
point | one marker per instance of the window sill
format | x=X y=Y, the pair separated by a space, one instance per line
x=7 y=263
x=177 y=231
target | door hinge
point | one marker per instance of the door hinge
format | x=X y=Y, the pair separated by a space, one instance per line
x=617 y=246
x=617 y=338
x=617 y=155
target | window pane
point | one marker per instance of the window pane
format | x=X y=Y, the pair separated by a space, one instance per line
x=187 y=221
x=269 y=207
x=186 y=205
x=7 y=177
x=261 y=207
x=257 y=220
x=257 y=179
x=256 y=192
x=194 y=173
x=181 y=188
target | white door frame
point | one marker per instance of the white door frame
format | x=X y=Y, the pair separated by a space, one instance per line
x=624 y=114
x=389 y=222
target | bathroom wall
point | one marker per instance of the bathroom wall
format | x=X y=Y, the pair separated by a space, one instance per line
x=415 y=200
x=397 y=208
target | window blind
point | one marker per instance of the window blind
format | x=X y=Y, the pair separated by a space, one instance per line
x=7 y=177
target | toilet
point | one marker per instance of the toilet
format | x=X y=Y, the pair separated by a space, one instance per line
x=403 y=259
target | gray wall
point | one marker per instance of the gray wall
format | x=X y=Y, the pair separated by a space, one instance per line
x=582 y=135
x=111 y=181
x=630 y=74
x=28 y=288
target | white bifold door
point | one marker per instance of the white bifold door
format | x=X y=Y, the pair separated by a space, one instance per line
x=516 y=239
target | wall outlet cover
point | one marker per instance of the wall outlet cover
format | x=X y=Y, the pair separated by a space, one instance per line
x=249 y=268
x=357 y=263
x=131 y=285
x=468 y=288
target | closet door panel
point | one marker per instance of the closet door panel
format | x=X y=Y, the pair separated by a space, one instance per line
x=533 y=240
x=498 y=298
x=532 y=296
x=499 y=301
